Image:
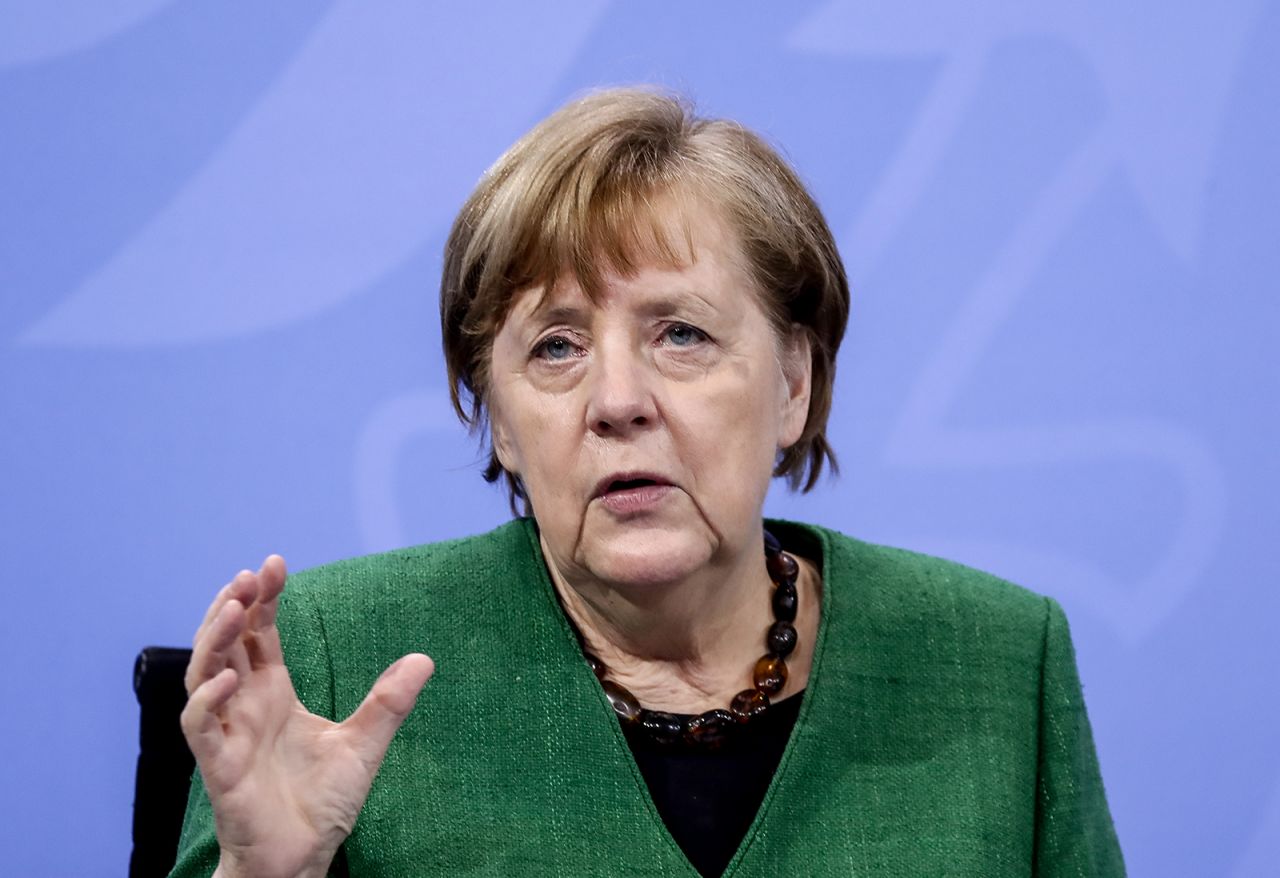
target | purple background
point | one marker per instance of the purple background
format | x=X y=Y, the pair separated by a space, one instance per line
x=220 y=235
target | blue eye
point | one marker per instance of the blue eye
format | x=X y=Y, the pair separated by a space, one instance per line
x=683 y=335
x=554 y=348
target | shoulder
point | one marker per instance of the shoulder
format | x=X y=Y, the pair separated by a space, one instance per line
x=930 y=604
x=438 y=568
x=437 y=597
x=918 y=581
x=459 y=601
x=909 y=578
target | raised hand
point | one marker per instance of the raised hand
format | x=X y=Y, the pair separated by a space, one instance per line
x=285 y=785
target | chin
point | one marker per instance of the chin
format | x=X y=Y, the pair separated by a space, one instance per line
x=641 y=556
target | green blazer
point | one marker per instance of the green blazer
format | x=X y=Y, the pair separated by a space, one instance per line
x=943 y=731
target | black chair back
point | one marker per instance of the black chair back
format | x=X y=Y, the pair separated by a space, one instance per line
x=164 y=761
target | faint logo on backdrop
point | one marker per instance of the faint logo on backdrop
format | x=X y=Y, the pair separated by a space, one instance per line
x=380 y=453
x=30 y=34
x=1166 y=78
x=299 y=210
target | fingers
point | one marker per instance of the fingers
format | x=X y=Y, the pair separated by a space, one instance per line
x=375 y=721
x=218 y=646
x=271 y=577
x=258 y=641
x=263 y=641
x=243 y=588
x=237 y=633
x=200 y=721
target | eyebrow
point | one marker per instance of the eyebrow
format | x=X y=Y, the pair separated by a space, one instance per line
x=678 y=300
x=665 y=303
x=574 y=314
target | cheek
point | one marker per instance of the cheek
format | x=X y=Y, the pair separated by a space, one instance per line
x=732 y=428
x=537 y=433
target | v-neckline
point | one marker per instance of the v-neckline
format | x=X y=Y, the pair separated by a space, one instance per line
x=796 y=742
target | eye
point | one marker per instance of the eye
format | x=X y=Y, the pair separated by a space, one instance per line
x=557 y=347
x=683 y=335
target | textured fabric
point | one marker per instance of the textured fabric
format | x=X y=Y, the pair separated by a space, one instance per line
x=943 y=731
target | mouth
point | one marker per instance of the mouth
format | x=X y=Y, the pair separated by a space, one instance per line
x=628 y=481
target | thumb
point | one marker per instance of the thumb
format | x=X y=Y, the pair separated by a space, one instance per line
x=393 y=695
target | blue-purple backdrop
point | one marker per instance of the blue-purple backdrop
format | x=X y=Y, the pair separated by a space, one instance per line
x=220 y=231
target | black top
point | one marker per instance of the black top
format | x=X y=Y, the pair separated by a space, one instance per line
x=709 y=799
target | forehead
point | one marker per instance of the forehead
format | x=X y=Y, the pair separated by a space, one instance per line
x=687 y=255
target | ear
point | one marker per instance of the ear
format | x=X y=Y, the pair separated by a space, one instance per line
x=797 y=375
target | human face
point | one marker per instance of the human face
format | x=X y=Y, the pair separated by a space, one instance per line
x=645 y=426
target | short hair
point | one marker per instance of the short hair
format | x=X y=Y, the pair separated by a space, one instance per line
x=579 y=194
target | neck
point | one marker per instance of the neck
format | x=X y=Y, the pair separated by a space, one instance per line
x=686 y=646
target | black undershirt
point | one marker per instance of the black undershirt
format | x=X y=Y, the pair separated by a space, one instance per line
x=709 y=799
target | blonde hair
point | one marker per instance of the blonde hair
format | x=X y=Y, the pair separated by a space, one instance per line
x=580 y=195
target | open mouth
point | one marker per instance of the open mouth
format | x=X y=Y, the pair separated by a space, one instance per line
x=631 y=494
x=628 y=484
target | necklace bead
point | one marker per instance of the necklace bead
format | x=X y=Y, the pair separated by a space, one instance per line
x=781 y=566
x=597 y=666
x=785 y=602
x=748 y=704
x=770 y=674
x=709 y=729
x=781 y=639
x=662 y=727
x=625 y=705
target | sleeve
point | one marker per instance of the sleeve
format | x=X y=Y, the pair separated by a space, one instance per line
x=307 y=657
x=1074 y=833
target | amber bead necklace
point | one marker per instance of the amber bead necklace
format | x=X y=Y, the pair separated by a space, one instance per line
x=710 y=729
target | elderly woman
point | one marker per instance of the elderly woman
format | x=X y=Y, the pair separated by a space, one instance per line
x=642 y=309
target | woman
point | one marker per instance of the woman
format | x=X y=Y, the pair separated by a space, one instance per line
x=643 y=308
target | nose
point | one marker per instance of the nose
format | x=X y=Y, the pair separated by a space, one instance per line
x=621 y=392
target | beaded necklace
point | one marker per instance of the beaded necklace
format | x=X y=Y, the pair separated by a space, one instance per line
x=709 y=730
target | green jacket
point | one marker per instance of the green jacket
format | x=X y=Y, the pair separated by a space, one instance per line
x=943 y=731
